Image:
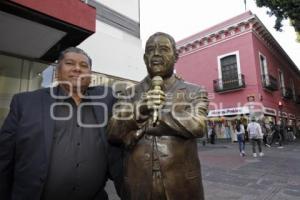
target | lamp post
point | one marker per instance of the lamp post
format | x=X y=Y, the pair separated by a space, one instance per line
x=250 y=99
x=280 y=105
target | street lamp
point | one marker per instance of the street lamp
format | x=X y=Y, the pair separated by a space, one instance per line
x=280 y=105
x=250 y=99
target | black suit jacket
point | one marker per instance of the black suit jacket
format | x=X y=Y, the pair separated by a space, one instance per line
x=26 y=139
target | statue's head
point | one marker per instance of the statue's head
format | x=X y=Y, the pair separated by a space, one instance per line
x=160 y=55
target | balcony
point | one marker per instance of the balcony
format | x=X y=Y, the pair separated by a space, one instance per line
x=297 y=99
x=286 y=92
x=269 y=82
x=223 y=85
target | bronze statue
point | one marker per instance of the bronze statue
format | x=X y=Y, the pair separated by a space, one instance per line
x=157 y=122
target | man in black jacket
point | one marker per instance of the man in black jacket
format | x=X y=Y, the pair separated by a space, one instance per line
x=53 y=143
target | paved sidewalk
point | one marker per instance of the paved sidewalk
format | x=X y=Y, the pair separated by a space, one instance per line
x=227 y=176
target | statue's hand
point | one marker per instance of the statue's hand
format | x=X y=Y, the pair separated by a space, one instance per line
x=155 y=99
x=152 y=100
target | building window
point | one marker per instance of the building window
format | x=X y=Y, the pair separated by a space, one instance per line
x=264 y=68
x=268 y=81
x=263 y=64
x=229 y=67
x=293 y=89
x=285 y=91
x=281 y=79
x=229 y=72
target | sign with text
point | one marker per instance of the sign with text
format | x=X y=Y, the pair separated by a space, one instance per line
x=270 y=111
x=228 y=111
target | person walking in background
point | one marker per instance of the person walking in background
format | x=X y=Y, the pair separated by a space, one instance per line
x=282 y=130
x=290 y=132
x=227 y=131
x=265 y=130
x=212 y=133
x=277 y=134
x=255 y=135
x=246 y=133
x=240 y=132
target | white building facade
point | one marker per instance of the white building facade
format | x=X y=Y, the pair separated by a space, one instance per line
x=116 y=47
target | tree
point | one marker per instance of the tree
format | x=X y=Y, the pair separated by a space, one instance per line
x=283 y=9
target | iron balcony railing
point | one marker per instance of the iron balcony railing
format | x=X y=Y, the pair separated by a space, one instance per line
x=222 y=85
x=269 y=82
x=286 y=92
x=297 y=99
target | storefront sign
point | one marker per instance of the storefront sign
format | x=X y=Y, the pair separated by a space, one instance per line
x=284 y=114
x=228 y=111
x=292 y=116
x=269 y=111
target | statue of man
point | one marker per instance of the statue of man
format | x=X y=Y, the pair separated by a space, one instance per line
x=157 y=122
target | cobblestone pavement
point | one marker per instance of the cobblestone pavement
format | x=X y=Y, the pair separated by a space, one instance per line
x=227 y=176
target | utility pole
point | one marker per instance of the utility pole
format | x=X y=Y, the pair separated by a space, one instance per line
x=245 y=3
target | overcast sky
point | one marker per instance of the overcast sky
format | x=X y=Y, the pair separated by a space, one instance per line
x=182 y=18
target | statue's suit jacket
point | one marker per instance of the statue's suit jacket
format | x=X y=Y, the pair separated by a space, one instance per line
x=25 y=144
x=174 y=137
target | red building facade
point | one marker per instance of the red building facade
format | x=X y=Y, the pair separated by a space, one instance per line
x=244 y=70
x=41 y=29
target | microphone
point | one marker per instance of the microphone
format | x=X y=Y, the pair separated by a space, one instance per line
x=156 y=82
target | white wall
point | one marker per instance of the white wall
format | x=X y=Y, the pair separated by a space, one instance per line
x=115 y=52
x=129 y=8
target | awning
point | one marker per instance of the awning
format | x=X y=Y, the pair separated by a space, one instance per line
x=41 y=29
